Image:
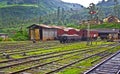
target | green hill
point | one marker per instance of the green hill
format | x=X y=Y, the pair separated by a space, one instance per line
x=16 y=12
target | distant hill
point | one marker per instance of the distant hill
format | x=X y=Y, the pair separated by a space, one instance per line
x=15 y=12
x=107 y=3
x=109 y=7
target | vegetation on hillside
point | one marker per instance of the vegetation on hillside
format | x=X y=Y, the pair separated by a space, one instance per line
x=22 y=13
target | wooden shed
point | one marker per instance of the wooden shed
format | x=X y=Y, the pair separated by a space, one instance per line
x=111 y=19
x=42 y=32
x=4 y=36
x=104 y=33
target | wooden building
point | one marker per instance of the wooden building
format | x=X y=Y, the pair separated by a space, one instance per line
x=4 y=36
x=92 y=22
x=111 y=19
x=42 y=32
x=105 y=33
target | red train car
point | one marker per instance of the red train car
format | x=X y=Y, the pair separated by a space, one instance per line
x=71 y=31
x=60 y=32
x=93 y=34
x=77 y=35
x=83 y=34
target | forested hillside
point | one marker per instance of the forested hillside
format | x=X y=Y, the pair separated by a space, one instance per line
x=16 y=12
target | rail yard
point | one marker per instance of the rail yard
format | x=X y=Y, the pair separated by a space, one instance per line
x=53 y=57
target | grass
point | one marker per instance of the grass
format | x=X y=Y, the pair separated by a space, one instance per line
x=84 y=65
x=72 y=46
x=62 y=48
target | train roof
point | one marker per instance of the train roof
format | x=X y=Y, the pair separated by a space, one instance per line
x=69 y=35
x=107 y=30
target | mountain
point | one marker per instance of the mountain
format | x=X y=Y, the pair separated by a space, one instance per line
x=15 y=12
x=110 y=7
x=108 y=2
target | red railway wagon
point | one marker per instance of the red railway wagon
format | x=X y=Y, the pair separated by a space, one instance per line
x=60 y=32
x=93 y=34
x=84 y=34
x=71 y=31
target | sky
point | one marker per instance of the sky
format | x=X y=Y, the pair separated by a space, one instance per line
x=83 y=2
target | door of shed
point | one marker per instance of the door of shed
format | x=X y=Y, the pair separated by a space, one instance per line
x=37 y=34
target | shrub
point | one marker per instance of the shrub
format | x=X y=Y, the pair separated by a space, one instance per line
x=1 y=38
x=21 y=38
x=10 y=39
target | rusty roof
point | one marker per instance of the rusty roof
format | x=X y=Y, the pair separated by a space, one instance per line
x=47 y=26
x=57 y=27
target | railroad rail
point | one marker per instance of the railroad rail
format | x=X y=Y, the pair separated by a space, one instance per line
x=64 y=66
x=44 y=54
x=108 y=66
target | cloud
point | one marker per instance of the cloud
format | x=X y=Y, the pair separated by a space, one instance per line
x=83 y=2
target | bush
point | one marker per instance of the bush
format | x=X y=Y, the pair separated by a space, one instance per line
x=1 y=38
x=10 y=39
x=21 y=38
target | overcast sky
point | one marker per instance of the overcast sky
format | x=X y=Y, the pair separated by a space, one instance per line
x=83 y=2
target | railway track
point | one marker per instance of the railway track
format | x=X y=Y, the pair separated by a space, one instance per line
x=29 y=49
x=63 y=66
x=50 y=53
x=21 y=47
x=108 y=66
x=79 y=60
x=41 y=57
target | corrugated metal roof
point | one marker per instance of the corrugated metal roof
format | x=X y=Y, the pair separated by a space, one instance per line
x=57 y=27
x=47 y=26
x=3 y=34
x=106 y=30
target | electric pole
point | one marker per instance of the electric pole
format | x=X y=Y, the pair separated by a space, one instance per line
x=91 y=12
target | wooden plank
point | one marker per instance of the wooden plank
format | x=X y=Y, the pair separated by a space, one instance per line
x=31 y=34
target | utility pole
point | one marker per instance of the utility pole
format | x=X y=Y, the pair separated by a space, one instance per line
x=88 y=32
x=91 y=12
